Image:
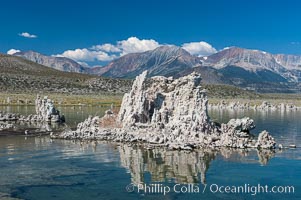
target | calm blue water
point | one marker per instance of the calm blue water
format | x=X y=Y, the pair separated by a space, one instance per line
x=41 y=168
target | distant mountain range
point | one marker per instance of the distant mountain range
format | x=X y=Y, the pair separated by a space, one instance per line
x=279 y=67
x=59 y=63
x=165 y=61
x=258 y=70
x=251 y=69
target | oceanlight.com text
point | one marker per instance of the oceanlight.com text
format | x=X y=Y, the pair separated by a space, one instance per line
x=157 y=188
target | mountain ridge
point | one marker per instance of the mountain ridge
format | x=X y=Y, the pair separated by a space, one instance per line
x=59 y=63
x=165 y=60
x=19 y=75
x=286 y=66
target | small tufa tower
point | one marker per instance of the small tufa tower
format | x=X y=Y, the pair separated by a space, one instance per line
x=46 y=110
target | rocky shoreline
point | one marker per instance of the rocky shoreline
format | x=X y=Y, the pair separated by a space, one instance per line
x=169 y=112
x=264 y=106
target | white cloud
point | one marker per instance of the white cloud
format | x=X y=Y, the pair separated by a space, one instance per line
x=199 y=48
x=27 y=35
x=108 y=52
x=107 y=48
x=83 y=64
x=12 y=51
x=86 y=55
x=135 y=45
x=130 y=45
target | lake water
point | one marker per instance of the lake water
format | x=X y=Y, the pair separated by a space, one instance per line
x=38 y=168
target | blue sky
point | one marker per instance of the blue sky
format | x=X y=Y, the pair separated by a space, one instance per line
x=135 y=25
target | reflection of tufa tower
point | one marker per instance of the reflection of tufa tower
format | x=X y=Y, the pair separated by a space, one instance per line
x=182 y=167
x=133 y=160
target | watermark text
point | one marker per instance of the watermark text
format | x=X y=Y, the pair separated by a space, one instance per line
x=158 y=188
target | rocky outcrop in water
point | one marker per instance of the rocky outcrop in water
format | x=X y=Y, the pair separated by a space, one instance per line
x=4 y=126
x=265 y=140
x=169 y=112
x=45 y=112
x=9 y=116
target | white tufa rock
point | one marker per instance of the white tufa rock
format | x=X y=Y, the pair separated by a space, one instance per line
x=265 y=140
x=170 y=112
x=46 y=111
x=5 y=126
